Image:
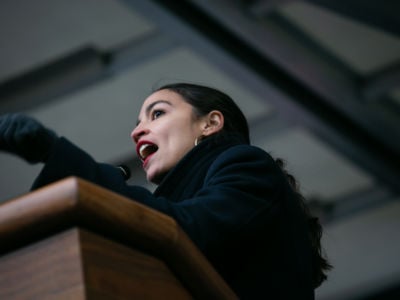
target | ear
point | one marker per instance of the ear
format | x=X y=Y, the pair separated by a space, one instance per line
x=214 y=122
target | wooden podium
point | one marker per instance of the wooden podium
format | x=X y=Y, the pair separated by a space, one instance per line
x=76 y=240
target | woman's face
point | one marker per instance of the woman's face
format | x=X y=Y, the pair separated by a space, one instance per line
x=166 y=131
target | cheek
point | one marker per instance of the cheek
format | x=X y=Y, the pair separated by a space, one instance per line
x=184 y=148
x=178 y=140
x=178 y=148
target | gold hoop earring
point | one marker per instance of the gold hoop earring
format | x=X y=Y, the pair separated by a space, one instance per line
x=197 y=140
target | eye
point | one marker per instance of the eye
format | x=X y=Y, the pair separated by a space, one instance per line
x=156 y=114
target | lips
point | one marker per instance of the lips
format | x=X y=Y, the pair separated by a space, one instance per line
x=144 y=149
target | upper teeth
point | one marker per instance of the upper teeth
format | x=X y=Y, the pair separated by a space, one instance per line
x=146 y=149
x=142 y=149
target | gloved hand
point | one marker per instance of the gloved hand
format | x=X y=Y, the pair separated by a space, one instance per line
x=26 y=137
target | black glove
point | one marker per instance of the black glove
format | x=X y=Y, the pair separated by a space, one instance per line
x=26 y=137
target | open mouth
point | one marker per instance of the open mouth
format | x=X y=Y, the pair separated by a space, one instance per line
x=144 y=150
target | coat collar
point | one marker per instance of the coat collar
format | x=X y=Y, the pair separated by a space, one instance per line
x=194 y=165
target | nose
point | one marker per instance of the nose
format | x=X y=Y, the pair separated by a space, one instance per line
x=138 y=132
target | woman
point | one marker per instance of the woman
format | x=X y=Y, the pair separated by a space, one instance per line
x=233 y=200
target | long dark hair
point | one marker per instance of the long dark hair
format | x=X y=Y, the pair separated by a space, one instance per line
x=204 y=100
x=320 y=263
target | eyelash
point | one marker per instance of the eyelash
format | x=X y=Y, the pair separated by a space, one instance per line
x=156 y=114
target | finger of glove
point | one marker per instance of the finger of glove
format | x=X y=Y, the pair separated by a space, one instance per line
x=16 y=130
x=8 y=126
x=21 y=136
x=26 y=137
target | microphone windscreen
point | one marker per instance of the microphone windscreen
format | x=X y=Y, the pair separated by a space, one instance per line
x=126 y=172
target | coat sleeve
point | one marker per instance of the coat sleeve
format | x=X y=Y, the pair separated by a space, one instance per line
x=68 y=160
x=242 y=185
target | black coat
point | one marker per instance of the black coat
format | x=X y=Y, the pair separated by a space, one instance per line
x=232 y=200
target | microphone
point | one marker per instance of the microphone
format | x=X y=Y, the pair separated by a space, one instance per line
x=126 y=173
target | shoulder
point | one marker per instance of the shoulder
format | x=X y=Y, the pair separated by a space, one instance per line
x=247 y=162
x=246 y=154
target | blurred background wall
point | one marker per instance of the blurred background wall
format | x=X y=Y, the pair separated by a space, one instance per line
x=319 y=82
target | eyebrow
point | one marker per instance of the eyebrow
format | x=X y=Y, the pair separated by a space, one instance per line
x=151 y=105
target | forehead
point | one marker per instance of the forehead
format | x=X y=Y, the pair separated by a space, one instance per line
x=164 y=95
x=173 y=98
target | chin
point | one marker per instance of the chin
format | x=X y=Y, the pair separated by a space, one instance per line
x=155 y=178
